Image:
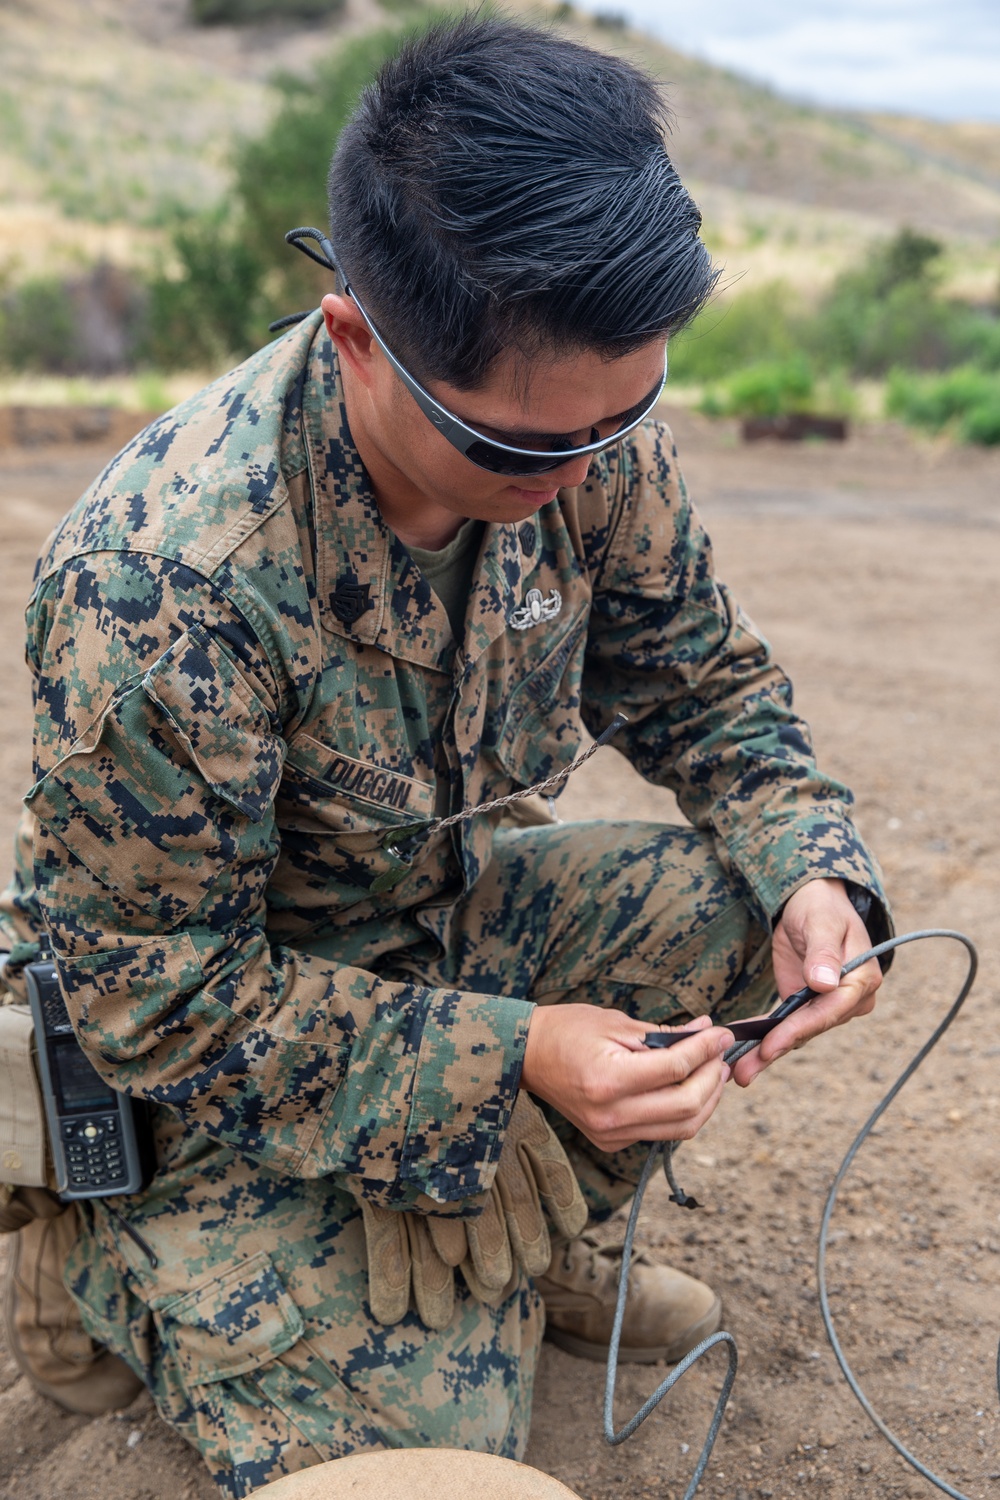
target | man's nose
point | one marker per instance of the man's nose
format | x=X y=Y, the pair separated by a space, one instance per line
x=573 y=472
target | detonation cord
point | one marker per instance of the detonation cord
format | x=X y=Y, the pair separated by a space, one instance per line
x=664 y=1152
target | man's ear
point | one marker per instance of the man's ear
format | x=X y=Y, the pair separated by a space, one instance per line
x=349 y=334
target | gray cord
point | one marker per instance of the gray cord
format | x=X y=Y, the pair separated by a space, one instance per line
x=863 y=1134
x=423 y=831
x=664 y=1151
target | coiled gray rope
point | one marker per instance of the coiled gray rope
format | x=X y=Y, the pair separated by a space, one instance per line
x=663 y=1151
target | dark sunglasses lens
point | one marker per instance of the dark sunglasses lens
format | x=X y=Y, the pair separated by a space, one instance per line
x=499 y=461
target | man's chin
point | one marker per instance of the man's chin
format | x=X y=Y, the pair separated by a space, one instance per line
x=529 y=499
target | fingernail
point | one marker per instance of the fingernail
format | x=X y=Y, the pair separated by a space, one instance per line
x=727 y=1072
x=826 y=975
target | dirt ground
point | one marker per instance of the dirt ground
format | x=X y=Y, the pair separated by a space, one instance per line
x=875 y=568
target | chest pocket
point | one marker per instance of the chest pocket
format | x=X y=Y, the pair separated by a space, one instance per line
x=338 y=815
x=541 y=730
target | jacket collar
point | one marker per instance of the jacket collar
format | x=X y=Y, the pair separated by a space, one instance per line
x=370 y=589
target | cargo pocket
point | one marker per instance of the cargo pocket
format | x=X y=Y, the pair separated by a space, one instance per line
x=171 y=785
x=239 y=1348
x=236 y=1323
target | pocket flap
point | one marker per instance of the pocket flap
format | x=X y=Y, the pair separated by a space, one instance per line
x=219 y=719
x=541 y=732
x=239 y=1321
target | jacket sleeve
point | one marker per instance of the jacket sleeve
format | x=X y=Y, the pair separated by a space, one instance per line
x=158 y=758
x=710 y=713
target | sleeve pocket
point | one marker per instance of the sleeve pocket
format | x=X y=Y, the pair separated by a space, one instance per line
x=220 y=720
x=240 y=1321
x=171 y=785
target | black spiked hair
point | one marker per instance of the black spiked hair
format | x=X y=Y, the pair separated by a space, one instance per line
x=503 y=187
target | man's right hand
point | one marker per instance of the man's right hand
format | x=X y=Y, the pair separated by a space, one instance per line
x=592 y=1065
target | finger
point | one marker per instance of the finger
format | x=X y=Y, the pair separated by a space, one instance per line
x=489 y=1244
x=821 y=965
x=682 y=1128
x=854 y=997
x=630 y=1073
x=433 y=1280
x=641 y=1029
x=661 y=1114
x=388 y=1262
x=449 y=1238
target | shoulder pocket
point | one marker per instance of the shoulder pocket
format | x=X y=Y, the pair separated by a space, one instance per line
x=162 y=793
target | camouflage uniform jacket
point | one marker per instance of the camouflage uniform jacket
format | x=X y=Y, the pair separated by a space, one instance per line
x=244 y=686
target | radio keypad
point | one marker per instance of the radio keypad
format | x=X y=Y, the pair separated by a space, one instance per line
x=93 y=1151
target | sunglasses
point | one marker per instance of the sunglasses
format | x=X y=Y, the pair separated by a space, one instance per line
x=483 y=451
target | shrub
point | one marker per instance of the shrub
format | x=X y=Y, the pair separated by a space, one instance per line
x=761 y=324
x=238 y=12
x=86 y=324
x=769 y=388
x=982 y=423
x=214 y=309
x=966 y=400
x=37 y=330
x=908 y=325
x=888 y=311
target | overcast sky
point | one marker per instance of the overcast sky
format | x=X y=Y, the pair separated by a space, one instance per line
x=931 y=57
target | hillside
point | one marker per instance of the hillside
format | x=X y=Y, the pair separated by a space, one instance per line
x=120 y=112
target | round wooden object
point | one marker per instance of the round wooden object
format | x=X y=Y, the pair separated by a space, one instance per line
x=416 y=1474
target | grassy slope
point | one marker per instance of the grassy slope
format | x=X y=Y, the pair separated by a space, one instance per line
x=119 y=110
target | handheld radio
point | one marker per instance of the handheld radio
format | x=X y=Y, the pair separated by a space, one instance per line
x=101 y=1142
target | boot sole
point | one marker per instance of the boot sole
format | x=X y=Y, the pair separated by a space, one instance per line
x=647 y=1354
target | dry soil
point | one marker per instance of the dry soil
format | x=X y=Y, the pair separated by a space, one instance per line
x=874 y=567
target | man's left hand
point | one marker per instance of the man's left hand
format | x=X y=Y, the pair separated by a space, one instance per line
x=819 y=931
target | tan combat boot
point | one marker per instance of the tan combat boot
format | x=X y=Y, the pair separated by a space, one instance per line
x=43 y=1328
x=666 y=1315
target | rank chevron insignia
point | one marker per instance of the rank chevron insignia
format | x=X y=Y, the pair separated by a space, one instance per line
x=535 y=609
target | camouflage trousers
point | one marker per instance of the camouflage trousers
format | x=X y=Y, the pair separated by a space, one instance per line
x=246 y=1313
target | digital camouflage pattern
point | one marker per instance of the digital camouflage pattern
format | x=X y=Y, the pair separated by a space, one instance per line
x=253 y=1329
x=245 y=692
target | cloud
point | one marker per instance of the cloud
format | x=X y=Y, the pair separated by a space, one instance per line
x=910 y=55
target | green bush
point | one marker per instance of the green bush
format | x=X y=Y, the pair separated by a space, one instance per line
x=38 y=331
x=88 y=323
x=759 y=325
x=769 y=388
x=214 y=309
x=982 y=423
x=237 y=12
x=888 y=311
x=236 y=273
x=908 y=325
x=281 y=176
x=967 y=400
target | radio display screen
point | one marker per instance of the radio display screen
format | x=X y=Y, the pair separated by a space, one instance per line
x=79 y=1086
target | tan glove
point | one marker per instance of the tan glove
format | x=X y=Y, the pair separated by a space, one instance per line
x=417 y=1253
